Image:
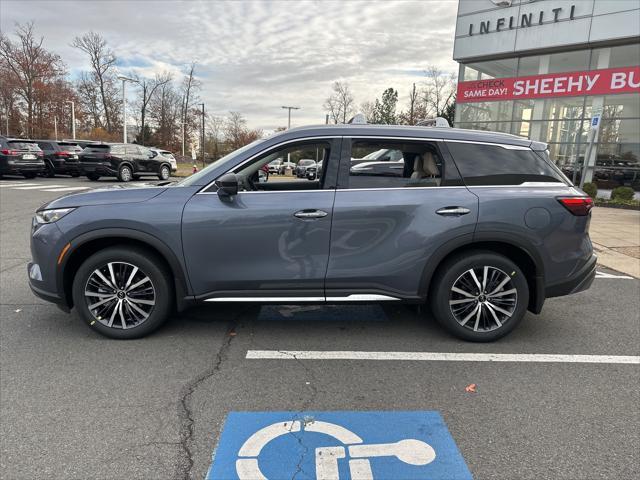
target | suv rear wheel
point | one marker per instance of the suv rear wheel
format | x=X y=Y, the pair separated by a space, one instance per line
x=165 y=172
x=479 y=296
x=125 y=173
x=122 y=292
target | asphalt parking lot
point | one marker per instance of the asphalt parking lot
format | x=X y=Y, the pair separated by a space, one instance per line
x=77 y=405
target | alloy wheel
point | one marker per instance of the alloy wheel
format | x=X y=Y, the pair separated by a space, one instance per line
x=125 y=174
x=164 y=173
x=483 y=299
x=120 y=295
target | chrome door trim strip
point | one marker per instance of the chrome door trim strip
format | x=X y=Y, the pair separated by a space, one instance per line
x=265 y=299
x=362 y=297
x=354 y=297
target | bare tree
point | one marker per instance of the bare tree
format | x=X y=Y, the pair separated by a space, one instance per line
x=439 y=92
x=102 y=60
x=340 y=104
x=164 y=111
x=368 y=110
x=236 y=131
x=28 y=63
x=417 y=109
x=190 y=86
x=89 y=98
x=215 y=127
x=147 y=90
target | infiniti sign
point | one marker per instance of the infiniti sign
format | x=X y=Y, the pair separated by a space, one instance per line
x=524 y=20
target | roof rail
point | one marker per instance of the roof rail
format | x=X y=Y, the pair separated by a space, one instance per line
x=434 y=122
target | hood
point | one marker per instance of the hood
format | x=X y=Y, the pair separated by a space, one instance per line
x=108 y=196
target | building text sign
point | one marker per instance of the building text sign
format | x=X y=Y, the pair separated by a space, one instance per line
x=594 y=82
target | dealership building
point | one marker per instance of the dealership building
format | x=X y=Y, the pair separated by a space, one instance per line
x=543 y=68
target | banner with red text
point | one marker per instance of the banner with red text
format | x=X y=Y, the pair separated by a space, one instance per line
x=594 y=82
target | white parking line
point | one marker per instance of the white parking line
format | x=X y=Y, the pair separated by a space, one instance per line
x=38 y=187
x=66 y=189
x=608 y=275
x=438 y=356
x=3 y=185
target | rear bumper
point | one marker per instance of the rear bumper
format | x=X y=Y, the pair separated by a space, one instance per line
x=97 y=168
x=578 y=282
x=18 y=168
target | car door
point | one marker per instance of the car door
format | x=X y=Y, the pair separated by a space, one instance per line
x=271 y=240
x=389 y=222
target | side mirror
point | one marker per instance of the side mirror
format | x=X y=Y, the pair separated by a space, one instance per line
x=227 y=185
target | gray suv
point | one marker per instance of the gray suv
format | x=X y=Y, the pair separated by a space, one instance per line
x=481 y=227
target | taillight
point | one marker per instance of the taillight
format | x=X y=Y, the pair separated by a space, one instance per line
x=63 y=154
x=9 y=152
x=40 y=154
x=579 y=206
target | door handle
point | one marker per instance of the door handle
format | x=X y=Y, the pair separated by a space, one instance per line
x=310 y=214
x=453 y=211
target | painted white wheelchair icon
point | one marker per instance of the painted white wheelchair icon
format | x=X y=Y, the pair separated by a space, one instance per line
x=410 y=451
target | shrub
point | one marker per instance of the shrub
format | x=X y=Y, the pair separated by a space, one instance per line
x=590 y=189
x=622 y=193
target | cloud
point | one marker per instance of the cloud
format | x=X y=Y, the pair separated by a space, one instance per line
x=254 y=57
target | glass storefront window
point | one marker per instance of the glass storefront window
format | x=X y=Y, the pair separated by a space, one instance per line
x=575 y=61
x=569 y=131
x=622 y=56
x=565 y=155
x=494 y=69
x=621 y=130
x=561 y=108
x=485 y=111
x=529 y=66
x=622 y=106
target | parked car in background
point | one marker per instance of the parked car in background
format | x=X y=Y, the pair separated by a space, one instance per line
x=314 y=171
x=20 y=157
x=82 y=143
x=124 y=161
x=478 y=227
x=301 y=168
x=381 y=155
x=274 y=167
x=285 y=165
x=166 y=154
x=60 y=157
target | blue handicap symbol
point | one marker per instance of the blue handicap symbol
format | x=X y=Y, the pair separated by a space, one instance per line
x=336 y=446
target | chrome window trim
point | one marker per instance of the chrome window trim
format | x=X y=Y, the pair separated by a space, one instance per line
x=506 y=146
x=268 y=149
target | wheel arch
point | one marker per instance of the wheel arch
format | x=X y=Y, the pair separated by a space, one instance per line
x=516 y=250
x=89 y=243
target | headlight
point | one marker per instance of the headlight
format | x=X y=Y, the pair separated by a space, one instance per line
x=50 y=216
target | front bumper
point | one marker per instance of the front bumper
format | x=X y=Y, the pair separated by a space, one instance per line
x=47 y=241
x=578 y=282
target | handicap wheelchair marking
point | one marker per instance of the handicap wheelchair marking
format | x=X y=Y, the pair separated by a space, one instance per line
x=336 y=446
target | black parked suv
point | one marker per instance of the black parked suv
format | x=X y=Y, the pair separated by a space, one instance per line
x=124 y=161
x=60 y=157
x=20 y=157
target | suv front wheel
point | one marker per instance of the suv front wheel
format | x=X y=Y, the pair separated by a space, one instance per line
x=479 y=296
x=122 y=292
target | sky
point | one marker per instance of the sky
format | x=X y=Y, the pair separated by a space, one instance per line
x=254 y=57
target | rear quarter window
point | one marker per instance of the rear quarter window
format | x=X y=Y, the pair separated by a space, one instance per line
x=481 y=164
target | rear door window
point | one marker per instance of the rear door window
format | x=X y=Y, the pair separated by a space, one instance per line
x=396 y=164
x=482 y=164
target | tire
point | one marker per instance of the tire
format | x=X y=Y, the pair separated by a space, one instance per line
x=125 y=174
x=107 y=319
x=461 y=319
x=164 y=173
x=29 y=175
x=93 y=177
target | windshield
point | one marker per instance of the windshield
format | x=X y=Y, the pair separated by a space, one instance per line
x=193 y=179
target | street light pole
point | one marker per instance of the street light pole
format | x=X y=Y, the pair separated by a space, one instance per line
x=202 y=143
x=290 y=108
x=183 y=133
x=124 y=105
x=73 y=118
x=55 y=126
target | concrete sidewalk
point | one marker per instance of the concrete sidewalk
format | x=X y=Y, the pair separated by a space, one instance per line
x=615 y=234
